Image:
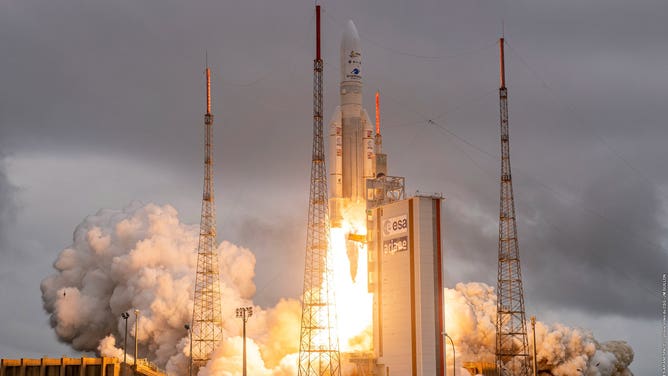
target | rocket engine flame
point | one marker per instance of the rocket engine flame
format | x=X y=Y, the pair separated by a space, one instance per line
x=349 y=266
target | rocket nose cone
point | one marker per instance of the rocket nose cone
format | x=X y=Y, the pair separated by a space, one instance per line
x=351 y=38
x=351 y=54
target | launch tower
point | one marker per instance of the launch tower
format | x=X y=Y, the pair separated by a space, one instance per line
x=319 y=343
x=512 y=356
x=207 y=326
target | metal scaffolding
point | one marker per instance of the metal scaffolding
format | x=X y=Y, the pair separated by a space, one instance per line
x=319 y=343
x=207 y=324
x=512 y=355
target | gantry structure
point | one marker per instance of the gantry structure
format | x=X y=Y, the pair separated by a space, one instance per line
x=207 y=324
x=319 y=344
x=512 y=355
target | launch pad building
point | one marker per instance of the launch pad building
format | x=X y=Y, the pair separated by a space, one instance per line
x=405 y=277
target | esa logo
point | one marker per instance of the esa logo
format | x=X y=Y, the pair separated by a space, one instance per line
x=395 y=225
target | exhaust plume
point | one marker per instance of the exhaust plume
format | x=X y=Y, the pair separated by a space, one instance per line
x=470 y=317
x=143 y=257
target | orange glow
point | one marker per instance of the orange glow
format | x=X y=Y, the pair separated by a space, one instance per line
x=353 y=301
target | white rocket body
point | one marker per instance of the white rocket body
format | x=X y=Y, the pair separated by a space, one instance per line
x=351 y=141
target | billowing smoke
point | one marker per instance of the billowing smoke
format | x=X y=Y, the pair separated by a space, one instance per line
x=470 y=317
x=144 y=258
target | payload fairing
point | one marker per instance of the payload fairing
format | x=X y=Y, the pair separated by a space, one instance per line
x=351 y=144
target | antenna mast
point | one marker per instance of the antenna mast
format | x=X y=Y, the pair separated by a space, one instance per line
x=207 y=325
x=512 y=356
x=319 y=343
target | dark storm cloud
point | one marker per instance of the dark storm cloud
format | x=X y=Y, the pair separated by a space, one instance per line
x=126 y=78
x=604 y=252
x=601 y=252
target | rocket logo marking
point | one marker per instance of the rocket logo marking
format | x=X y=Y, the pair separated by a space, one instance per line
x=356 y=71
x=392 y=246
x=388 y=228
x=395 y=225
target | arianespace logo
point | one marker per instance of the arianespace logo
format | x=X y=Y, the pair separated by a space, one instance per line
x=393 y=246
x=395 y=225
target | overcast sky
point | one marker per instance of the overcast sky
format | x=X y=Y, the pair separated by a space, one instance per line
x=101 y=104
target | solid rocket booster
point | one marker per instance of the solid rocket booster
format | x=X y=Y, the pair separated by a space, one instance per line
x=351 y=131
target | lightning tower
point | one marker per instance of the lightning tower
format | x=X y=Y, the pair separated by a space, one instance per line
x=207 y=326
x=512 y=356
x=319 y=344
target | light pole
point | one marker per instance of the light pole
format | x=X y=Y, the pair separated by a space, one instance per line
x=454 y=354
x=190 y=366
x=136 y=334
x=533 y=329
x=125 y=316
x=244 y=313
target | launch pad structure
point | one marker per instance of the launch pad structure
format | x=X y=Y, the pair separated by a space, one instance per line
x=512 y=348
x=207 y=323
x=405 y=277
x=103 y=366
x=319 y=344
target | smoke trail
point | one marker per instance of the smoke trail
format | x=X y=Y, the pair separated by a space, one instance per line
x=143 y=257
x=470 y=317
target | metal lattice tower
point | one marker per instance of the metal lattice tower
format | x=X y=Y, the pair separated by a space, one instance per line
x=512 y=355
x=207 y=326
x=319 y=343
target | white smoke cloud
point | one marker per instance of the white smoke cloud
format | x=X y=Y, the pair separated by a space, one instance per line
x=108 y=348
x=470 y=314
x=227 y=360
x=143 y=257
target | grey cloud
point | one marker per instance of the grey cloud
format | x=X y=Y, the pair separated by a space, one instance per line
x=603 y=253
x=8 y=206
x=279 y=244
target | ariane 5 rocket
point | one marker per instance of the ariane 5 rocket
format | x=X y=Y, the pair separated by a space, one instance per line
x=351 y=138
